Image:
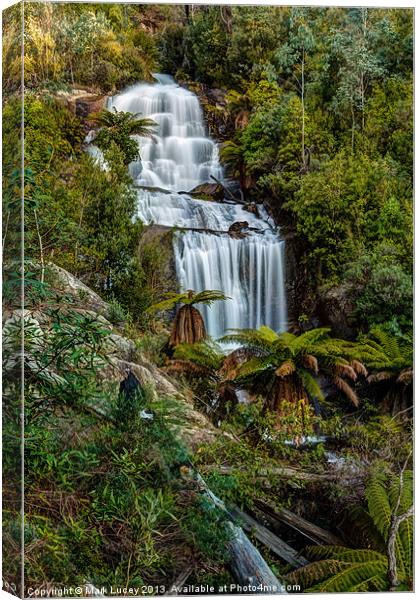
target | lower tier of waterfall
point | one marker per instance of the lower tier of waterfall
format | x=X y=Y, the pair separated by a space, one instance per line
x=248 y=270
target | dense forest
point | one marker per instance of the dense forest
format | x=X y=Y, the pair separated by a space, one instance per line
x=133 y=420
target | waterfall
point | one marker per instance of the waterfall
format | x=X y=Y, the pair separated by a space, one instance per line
x=248 y=269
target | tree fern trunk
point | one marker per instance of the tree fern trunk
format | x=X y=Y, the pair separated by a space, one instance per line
x=188 y=327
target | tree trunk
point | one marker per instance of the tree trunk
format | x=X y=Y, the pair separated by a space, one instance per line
x=287 y=388
x=188 y=327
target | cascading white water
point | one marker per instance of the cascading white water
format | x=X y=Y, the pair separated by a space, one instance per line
x=249 y=269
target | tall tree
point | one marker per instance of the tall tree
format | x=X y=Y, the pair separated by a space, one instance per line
x=360 y=65
x=292 y=58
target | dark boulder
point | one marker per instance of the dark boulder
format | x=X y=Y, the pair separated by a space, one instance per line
x=252 y=208
x=236 y=229
x=335 y=308
x=208 y=191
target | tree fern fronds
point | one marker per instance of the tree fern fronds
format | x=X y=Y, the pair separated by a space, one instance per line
x=345 y=370
x=388 y=342
x=359 y=555
x=207 y=354
x=312 y=336
x=352 y=575
x=311 y=385
x=359 y=367
x=317 y=571
x=378 y=505
x=405 y=492
x=310 y=362
x=344 y=387
x=253 y=367
x=285 y=369
x=190 y=297
x=343 y=553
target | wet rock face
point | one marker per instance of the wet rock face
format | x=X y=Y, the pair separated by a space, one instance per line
x=335 y=309
x=82 y=102
x=214 y=105
x=89 y=104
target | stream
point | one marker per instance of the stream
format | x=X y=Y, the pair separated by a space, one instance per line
x=248 y=269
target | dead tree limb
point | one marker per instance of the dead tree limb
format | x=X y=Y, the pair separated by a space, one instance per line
x=313 y=532
x=269 y=539
x=246 y=563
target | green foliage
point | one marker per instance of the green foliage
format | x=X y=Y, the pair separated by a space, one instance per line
x=321 y=129
x=268 y=358
x=382 y=351
x=381 y=286
x=118 y=127
x=207 y=526
x=101 y=481
x=339 y=209
x=86 y=45
x=189 y=298
x=340 y=569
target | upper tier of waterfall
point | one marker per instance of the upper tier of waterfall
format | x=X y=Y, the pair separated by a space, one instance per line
x=249 y=269
x=180 y=155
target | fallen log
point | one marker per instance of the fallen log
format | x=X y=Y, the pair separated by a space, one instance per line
x=313 y=532
x=265 y=473
x=291 y=472
x=246 y=563
x=269 y=539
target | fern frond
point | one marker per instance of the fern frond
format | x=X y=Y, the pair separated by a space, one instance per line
x=345 y=388
x=352 y=575
x=253 y=367
x=310 y=362
x=317 y=571
x=285 y=369
x=343 y=553
x=359 y=368
x=311 y=386
x=378 y=504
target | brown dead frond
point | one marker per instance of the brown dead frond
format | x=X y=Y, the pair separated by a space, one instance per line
x=343 y=370
x=184 y=366
x=347 y=390
x=311 y=362
x=229 y=368
x=359 y=368
x=380 y=376
x=286 y=369
x=406 y=376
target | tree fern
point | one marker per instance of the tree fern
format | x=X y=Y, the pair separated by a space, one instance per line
x=294 y=360
x=341 y=569
x=189 y=298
